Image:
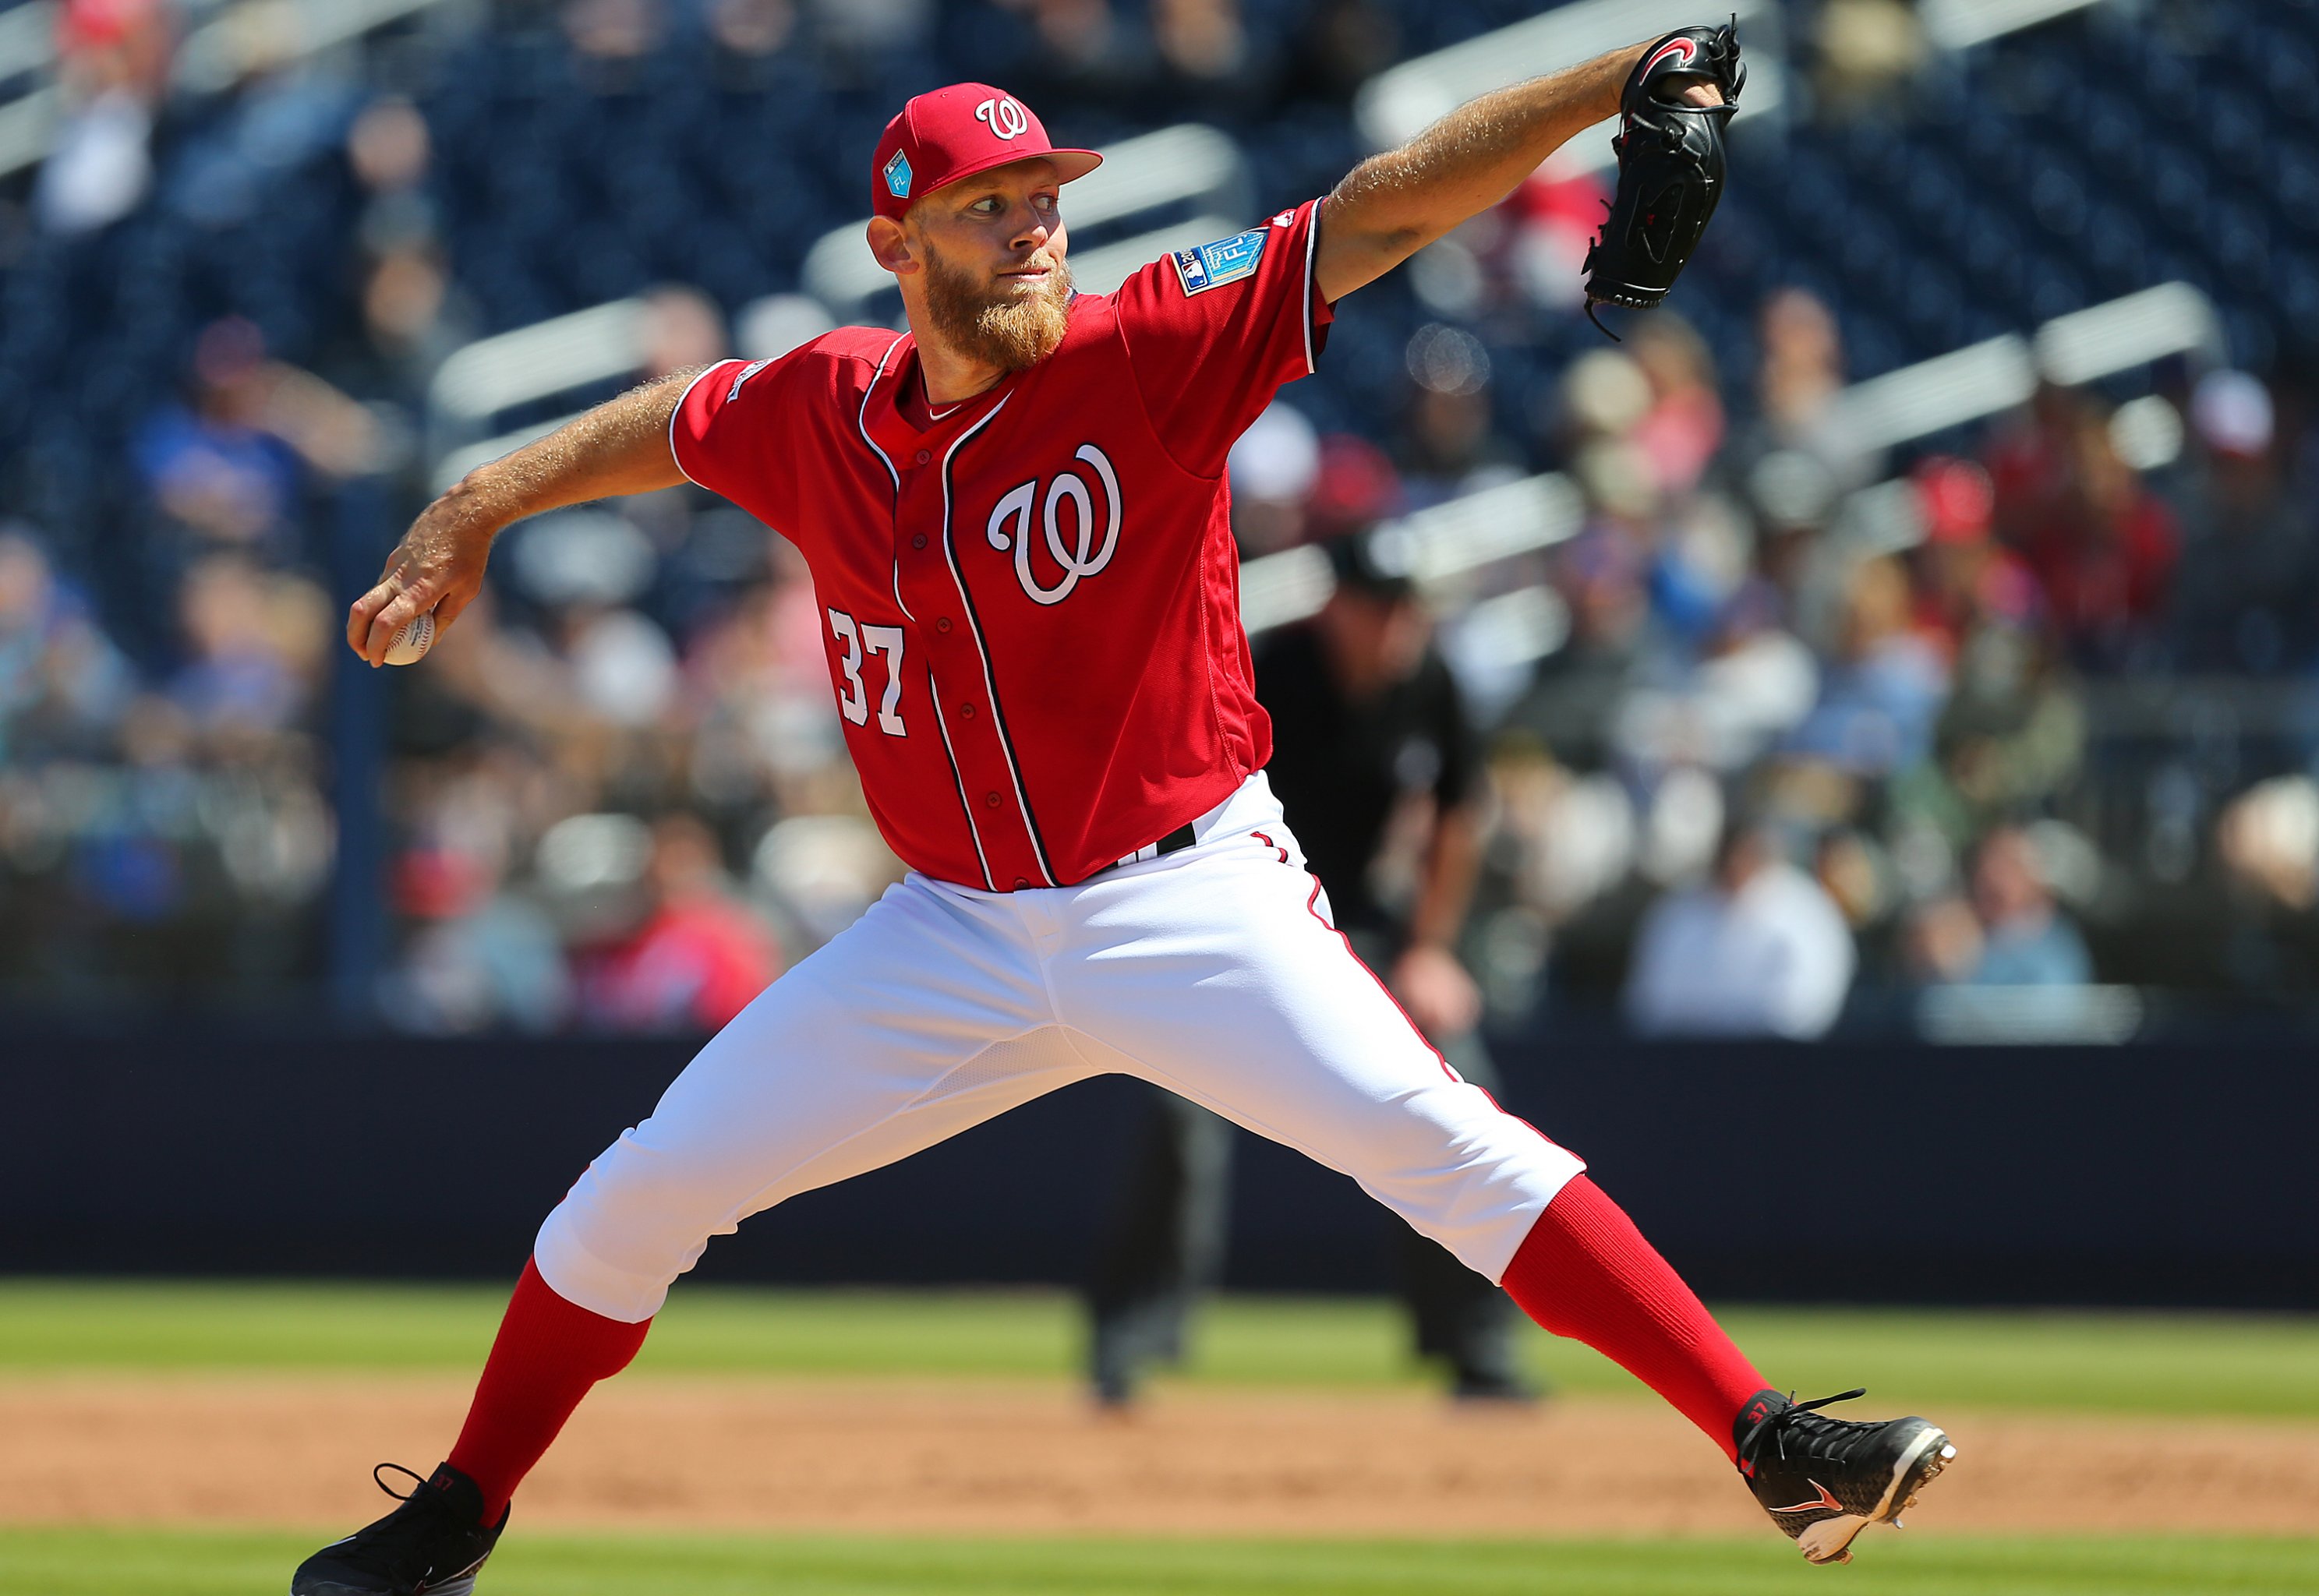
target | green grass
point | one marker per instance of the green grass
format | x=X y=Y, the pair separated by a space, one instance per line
x=138 y=1563
x=2178 y=1364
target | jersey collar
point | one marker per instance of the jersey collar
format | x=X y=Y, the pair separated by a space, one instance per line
x=887 y=418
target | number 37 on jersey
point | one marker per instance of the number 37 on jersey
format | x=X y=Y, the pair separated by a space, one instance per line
x=862 y=644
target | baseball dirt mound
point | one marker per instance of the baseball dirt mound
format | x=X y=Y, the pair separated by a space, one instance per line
x=1033 y=1458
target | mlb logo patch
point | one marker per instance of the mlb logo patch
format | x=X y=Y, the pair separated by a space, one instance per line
x=1211 y=265
x=897 y=176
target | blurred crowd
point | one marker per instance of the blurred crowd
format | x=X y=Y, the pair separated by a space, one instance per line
x=1793 y=736
x=1863 y=738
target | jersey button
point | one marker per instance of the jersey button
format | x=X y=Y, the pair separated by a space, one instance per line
x=919 y=541
x=924 y=456
x=966 y=712
x=991 y=800
x=1022 y=882
x=941 y=623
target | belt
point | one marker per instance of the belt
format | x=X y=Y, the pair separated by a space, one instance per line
x=1174 y=841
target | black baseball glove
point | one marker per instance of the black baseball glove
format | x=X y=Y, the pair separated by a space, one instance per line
x=1670 y=167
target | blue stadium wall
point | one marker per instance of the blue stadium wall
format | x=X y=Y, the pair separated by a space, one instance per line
x=2132 y=1176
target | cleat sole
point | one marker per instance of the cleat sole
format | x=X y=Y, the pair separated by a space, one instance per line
x=1919 y=1467
x=1829 y=1541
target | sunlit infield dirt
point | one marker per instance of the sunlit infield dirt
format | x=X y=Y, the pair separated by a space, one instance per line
x=1033 y=1458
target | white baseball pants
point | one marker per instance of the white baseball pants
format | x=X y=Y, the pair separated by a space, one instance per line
x=1213 y=972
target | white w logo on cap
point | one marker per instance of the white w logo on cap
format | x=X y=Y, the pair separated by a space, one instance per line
x=1005 y=117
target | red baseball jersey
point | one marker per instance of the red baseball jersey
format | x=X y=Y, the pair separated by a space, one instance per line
x=1032 y=599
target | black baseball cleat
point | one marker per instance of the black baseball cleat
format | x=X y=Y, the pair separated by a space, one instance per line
x=430 y=1545
x=1825 y=1480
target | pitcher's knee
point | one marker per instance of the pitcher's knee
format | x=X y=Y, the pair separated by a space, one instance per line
x=1484 y=1195
x=636 y=1219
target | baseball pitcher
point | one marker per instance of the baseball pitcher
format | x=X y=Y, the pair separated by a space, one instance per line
x=1017 y=524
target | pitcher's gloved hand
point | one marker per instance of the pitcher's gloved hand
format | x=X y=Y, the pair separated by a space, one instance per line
x=1670 y=152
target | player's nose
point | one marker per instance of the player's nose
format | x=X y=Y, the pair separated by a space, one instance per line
x=1034 y=230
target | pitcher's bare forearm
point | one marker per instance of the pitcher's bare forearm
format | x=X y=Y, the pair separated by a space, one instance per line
x=1396 y=203
x=620 y=446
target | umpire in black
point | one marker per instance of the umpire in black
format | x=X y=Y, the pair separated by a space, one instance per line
x=1373 y=752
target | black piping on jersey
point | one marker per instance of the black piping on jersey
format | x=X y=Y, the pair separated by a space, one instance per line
x=934 y=694
x=974 y=624
x=933 y=689
x=862 y=425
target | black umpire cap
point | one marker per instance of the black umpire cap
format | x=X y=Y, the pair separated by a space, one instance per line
x=1374 y=561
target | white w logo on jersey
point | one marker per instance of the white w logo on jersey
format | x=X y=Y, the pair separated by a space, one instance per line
x=1083 y=557
x=1005 y=118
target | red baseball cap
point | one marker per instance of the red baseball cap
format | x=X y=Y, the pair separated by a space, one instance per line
x=1956 y=499
x=955 y=133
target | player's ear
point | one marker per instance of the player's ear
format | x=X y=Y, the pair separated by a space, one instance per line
x=889 y=243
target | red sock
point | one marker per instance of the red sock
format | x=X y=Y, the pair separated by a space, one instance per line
x=548 y=1353
x=1585 y=1272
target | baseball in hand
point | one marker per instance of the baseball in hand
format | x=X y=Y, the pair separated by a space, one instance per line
x=413 y=640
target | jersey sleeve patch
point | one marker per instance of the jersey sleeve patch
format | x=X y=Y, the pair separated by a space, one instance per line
x=1211 y=265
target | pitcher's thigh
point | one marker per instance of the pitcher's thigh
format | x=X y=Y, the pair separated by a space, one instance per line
x=1263 y=1013
x=907 y=1028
